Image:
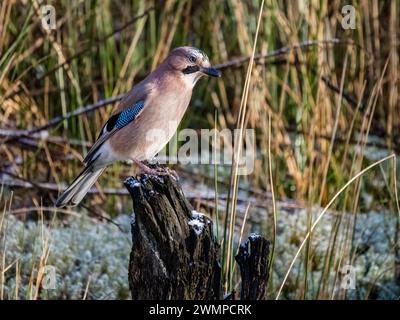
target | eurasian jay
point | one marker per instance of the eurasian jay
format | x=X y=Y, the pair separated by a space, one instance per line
x=156 y=103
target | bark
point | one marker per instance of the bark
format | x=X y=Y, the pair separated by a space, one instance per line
x=254 y=263
x=174 y=252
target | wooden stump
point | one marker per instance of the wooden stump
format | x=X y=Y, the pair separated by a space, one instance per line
x=174 y=253
x=253 y=262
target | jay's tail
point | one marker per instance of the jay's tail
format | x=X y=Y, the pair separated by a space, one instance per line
x=79 y=187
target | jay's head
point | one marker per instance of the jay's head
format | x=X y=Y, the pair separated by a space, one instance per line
x=192 y=63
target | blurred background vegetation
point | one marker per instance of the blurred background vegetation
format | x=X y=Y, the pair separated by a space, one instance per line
x=332 y=95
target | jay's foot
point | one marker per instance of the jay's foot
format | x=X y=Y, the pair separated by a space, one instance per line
x=168 y=171
x=155 y=171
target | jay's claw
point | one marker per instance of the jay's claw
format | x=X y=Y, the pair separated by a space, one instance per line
x=143 y=169
x=170 y=172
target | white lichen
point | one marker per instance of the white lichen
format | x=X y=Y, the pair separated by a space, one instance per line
x=84 y=249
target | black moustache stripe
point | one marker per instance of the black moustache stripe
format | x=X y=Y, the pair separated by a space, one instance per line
x=190 y=69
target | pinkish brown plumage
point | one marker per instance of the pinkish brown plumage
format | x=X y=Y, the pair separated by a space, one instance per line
x=144 y=120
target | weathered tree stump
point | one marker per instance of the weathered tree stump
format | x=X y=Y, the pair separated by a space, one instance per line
x=174 y=253
x=253 y=262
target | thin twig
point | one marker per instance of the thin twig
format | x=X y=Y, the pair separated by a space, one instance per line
x=54 y=187
x=99 y=215
x=55 y=121
x=282 y=51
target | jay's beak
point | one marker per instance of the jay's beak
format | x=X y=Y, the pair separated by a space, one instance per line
x=212 y=72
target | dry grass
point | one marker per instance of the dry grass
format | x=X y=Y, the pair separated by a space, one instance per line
x=323 y=108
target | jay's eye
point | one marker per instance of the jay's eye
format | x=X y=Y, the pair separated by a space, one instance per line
x=192 y=58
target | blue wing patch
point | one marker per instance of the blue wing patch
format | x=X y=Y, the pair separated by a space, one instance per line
x=116 y=121
x=121 y=119
x=128 y=115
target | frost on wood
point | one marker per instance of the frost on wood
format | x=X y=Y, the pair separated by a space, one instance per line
x=174 y=254
x=198 y=222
